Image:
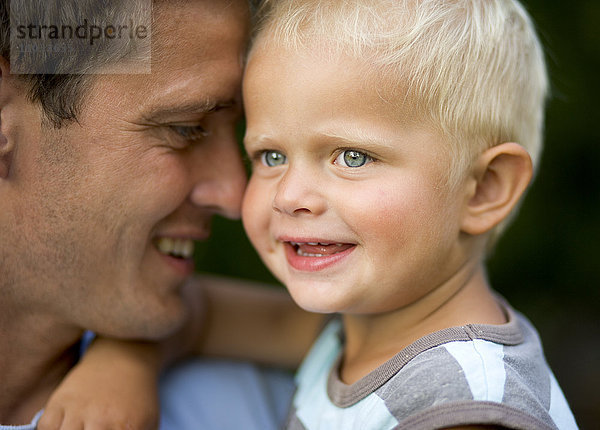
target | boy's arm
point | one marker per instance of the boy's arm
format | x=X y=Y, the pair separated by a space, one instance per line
x=252 y=321
x=114 y=386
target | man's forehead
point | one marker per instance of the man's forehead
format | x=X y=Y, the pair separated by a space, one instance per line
x=174 y=22
x=196 y=65
x=198 y=29
x=165 y=97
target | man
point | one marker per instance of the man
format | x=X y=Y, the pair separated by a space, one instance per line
x=105 y=182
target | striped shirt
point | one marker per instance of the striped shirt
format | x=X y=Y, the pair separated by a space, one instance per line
x=474 y=374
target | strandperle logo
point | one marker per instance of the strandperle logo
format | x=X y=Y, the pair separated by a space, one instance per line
x=85 y=31
x=80 y=36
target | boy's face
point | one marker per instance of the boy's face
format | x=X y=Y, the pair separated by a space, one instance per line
x=347 y=204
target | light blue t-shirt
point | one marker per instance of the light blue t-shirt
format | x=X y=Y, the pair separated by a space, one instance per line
x=216 y=394
x=30 y=426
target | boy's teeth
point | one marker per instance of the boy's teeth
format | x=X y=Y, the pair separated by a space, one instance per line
x=315 y=243
x=318 y=249
x=181 y=248
x=306 y=254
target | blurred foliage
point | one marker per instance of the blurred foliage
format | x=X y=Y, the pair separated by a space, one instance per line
x=547 y=262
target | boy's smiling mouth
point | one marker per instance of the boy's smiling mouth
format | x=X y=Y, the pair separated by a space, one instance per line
x=319 y=249
x=314 y=256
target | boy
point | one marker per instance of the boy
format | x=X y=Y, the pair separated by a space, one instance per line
x=390 y=142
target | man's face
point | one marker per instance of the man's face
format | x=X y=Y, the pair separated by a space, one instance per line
x=102 y=213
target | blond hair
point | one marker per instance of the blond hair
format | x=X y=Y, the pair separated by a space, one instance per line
x=474 y=68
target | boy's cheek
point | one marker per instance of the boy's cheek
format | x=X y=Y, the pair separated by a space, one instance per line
x=256 y=209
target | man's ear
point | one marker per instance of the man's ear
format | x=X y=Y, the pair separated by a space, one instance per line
x=501 y=175
x=6 y=146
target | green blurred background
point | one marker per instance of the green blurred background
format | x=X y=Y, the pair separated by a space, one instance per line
x=547 y=264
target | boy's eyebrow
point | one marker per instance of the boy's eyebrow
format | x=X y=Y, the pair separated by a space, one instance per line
x=353 y=138
x=362 y=140
x=255 y=139
x=356 y=138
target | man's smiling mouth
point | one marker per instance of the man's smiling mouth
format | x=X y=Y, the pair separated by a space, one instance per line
x=175 y=247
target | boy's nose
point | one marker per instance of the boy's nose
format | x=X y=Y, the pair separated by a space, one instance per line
x=298 y=193
x=220 y=180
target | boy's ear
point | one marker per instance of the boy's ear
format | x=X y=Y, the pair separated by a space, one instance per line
x=6 y=147
x=501 y=175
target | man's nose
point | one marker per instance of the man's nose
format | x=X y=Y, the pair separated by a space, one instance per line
x=219 y=179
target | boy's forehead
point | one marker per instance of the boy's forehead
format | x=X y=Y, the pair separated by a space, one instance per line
x=319 y=58
x=351 y=94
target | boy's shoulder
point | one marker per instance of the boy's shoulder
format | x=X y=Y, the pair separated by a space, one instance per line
x=477 y=374
x=493 y=374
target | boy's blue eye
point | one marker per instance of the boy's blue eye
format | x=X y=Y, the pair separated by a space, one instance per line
x=273 y=158
x=352 y=158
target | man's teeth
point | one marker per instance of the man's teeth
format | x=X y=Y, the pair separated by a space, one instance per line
x=181 y=248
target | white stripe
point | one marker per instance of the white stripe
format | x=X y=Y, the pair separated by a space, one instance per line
x=318 y=362
x=483 y=365
x=369 y=413
x=313 y=406
x=559 y=408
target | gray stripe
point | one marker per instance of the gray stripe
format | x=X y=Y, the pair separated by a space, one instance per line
x=527 y=383
x=343 y=395
x=469 y=413
x=418 y=386
x=293 y=423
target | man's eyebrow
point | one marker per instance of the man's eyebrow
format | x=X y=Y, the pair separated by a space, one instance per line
x=169 y=112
